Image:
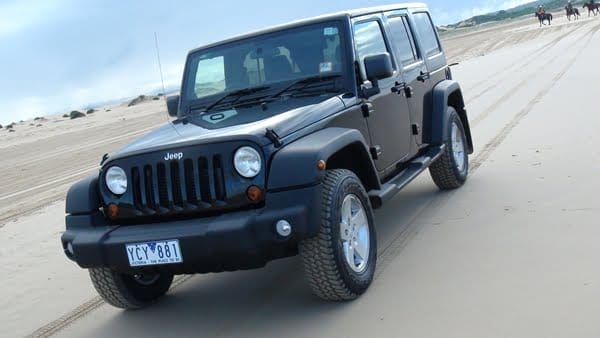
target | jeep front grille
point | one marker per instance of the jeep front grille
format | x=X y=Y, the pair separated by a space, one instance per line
x=192 y=184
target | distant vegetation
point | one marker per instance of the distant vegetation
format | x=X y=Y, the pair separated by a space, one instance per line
x=525 y=9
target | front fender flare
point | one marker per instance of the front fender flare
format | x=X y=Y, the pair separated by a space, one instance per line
x=295 y=165
x=83 y=197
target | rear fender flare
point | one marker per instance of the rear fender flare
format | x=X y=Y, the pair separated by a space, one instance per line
x=448 y=93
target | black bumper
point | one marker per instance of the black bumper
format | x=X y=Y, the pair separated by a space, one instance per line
x=231 y=241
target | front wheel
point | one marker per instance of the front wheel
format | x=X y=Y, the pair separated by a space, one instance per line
x=340 y=261
x=129 y=291
x=450 y=170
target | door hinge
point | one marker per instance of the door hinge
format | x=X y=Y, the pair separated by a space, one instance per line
x=367 y=109
x=416 y=130
x=375 y=152
x=408 y=92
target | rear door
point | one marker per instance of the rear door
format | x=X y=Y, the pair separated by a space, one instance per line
x=428 y=71
x=389 y=124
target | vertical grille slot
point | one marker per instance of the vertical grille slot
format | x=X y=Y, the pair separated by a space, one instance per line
x=149 y=187
x=204 y=180
x=176 y=184
x=163 y=194
x=218 y=177
x=190 y=181
x=135 y=184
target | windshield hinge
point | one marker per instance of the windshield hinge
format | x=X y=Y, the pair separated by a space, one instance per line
x=273 y=137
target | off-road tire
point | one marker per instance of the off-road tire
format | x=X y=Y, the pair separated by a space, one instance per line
x=444 y=171
x=123 y=291
x=328 y=274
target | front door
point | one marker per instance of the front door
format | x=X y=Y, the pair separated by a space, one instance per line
x=389 y=124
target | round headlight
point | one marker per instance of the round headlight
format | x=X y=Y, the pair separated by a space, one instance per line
x=116 y=180
x=247 y=162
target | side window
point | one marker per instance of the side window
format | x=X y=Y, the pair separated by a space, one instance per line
x=369 y=40
x=403 y=39
x=424 y=26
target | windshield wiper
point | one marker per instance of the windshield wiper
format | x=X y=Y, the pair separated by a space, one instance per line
x=304 y=83
x=237 y=94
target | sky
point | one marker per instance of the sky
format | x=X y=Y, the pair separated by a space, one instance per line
x=60 y=55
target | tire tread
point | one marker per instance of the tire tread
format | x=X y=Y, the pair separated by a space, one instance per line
x=321 y=269
x=443 y=171
x=112 y=289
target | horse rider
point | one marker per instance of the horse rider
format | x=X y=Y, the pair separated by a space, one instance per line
x=541 y=10
x=570 y=6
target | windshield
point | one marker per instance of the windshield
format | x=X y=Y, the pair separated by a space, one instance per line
x=264 y=61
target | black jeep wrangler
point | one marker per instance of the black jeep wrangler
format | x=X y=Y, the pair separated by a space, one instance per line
x=284 y=141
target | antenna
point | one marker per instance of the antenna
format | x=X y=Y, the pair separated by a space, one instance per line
x=162 y=80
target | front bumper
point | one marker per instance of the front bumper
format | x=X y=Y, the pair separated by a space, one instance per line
x=231 y=241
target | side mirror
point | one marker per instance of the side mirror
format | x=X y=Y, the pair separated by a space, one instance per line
x=378 y=66
x=173 y=105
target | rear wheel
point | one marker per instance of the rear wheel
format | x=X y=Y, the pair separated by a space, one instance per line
x=130 y=291
x=340 y=261
x=450 y=170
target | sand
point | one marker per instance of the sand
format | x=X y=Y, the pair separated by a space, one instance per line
x=511 y=254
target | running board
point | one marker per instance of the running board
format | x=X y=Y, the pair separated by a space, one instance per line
x=413 y=169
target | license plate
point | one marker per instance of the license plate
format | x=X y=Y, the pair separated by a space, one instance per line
x=154 y=253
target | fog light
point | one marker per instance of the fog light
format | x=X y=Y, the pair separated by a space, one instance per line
x=284 y=228
x=70 y=249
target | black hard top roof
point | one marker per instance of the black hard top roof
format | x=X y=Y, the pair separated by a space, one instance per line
x=327 y=17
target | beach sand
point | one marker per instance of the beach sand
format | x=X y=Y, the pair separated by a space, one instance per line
x=513 y=253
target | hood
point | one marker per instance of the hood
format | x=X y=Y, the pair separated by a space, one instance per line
x=283 y=117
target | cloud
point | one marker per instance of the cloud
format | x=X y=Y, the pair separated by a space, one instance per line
x=17 y=16
x=112 y=84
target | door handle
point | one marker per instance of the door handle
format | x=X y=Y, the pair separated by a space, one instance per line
x=398 y=87
x=424 y=76
x=402 y=87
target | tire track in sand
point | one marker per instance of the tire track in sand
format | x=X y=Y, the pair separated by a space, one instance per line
x=389 y=253
x=492 y=107
x=524 y=63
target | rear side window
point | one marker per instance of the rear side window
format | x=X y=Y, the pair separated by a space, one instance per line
x=369 y=39
x=403 y=39
x=424 y=27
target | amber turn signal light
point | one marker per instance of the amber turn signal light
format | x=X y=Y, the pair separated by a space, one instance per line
x=321 y=165
x=113 y=211
x=254 y=193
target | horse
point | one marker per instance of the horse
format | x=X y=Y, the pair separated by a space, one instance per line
x=592 y=8
x=544 y=17
x=572 y=12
